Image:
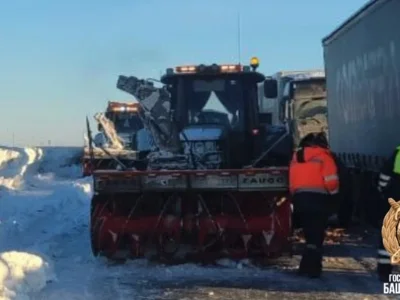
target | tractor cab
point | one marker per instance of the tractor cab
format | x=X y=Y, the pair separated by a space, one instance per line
x=216 y=106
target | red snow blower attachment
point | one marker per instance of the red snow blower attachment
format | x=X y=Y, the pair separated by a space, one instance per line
x=203 y=214
x=206 y=190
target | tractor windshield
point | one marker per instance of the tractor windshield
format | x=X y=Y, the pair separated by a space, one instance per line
x=125 y=122
x=214 y=101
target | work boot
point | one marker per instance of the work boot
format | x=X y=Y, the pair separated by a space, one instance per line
x=304 y=264
x=314 y=268
x=302 y=268
x=384 y=270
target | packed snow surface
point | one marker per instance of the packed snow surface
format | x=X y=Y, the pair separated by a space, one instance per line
x=45 y=251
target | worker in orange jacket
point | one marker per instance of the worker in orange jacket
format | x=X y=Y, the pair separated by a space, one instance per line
x=313 y=178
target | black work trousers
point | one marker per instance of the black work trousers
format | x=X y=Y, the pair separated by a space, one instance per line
x=312 y=211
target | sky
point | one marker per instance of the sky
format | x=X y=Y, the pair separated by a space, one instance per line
x=60 y=60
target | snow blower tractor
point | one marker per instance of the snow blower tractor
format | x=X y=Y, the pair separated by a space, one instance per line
x=116 y=138
x=203 y=188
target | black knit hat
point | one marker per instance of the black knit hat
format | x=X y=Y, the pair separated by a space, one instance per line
x=321 y=140
x=307 y=141
x=314 y=139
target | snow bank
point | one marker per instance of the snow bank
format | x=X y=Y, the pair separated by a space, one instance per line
x=35 y=186
x=28 y=218
x=61 y=162
x=16 y=164
x=22 y=273
x=40 y=199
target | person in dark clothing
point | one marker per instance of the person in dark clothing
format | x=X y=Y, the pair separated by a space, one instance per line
x=313 y=179
x=388 y=187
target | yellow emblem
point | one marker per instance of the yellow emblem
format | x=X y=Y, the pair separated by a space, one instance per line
x=391 y=231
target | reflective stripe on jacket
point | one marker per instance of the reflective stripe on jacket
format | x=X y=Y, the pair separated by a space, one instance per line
x=389 y=175
x=313 y=169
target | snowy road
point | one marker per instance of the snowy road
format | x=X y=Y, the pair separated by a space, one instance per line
x=45 y=211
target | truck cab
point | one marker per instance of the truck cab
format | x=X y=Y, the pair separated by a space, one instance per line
x=270 y=106
x=216 y=109
x=303 y=106
x=126 y=120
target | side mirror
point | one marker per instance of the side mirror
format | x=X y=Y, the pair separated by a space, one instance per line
x=287 y=111
x=283 y=110
x=270 y=88
x=291 y=91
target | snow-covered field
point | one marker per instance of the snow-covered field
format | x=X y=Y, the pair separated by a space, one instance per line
x=45 y=252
